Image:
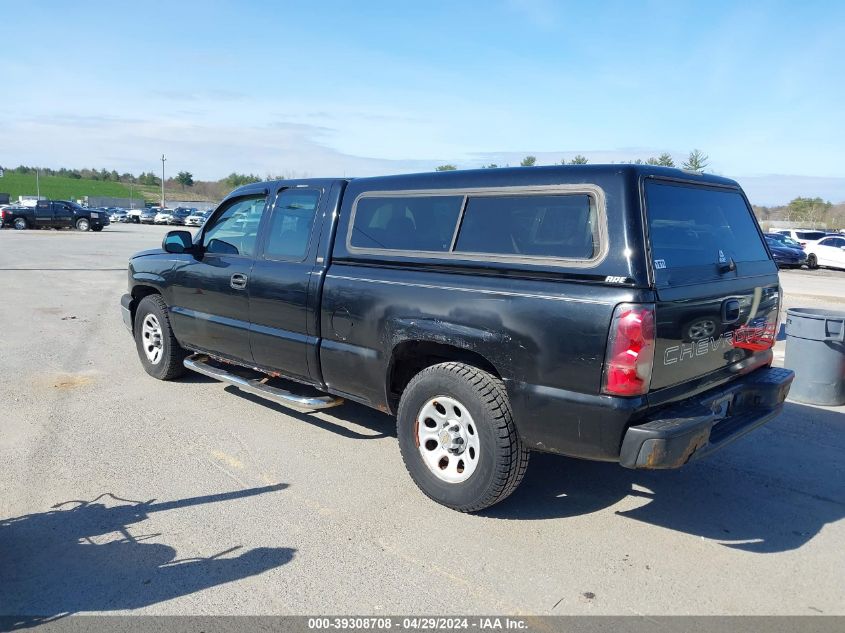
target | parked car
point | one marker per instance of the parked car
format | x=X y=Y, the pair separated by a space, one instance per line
x=828 y=252
x=117 y=215
x=163 y=216
x=57 y=214
x=197 y=218
x=133 y=216
x=784 y=240
x=786 y=256
x=147 y=216
x=494 y=312
x=803 y=236
x=179 y=215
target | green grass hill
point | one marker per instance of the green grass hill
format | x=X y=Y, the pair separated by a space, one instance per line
x=63 y=188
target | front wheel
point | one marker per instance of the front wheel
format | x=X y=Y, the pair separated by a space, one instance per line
x=158 y=349
x=458 y=439
x=82 y=224
x=19 y=224
x=812 y=262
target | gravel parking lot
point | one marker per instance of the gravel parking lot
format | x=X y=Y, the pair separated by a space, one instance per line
x=259 y=510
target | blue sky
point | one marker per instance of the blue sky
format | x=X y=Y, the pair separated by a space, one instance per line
x=339 y=88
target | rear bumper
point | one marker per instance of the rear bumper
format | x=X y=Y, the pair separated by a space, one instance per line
x=126 y=310
x=698 y=426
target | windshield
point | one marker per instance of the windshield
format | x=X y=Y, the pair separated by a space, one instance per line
x=783 y=239
x=777 y=243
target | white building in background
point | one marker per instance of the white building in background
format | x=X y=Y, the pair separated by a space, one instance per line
x=29 y=201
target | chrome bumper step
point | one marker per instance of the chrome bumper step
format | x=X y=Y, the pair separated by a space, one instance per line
x=200 y=364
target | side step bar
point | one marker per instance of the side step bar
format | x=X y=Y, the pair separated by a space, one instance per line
x=200 y=364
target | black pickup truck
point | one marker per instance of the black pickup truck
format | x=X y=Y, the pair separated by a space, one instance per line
x=56 y=214
x=616 y=313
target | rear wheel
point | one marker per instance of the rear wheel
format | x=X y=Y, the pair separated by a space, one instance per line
x=82 y=224
x=812 y=262
x=458 y=439
x=158 y=349
x=19 y=224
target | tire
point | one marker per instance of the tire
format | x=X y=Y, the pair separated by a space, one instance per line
x=812 y=262
x=19 y=224
x=167 y=364
x=82 y=224
x=491 y=472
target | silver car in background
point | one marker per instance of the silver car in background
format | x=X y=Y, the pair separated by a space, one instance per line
x=197 y=218
x=163 y=217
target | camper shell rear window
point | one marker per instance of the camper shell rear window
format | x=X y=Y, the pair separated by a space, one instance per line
x=698 y=232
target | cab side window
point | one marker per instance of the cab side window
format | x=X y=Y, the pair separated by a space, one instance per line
x=234 y=231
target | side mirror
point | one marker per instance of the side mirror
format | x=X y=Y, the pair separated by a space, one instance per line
x=178 y=242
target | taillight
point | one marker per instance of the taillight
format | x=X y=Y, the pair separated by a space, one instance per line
x=630 y=350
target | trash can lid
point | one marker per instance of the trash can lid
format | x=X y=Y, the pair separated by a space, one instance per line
x=815 y=313
x=815 y=324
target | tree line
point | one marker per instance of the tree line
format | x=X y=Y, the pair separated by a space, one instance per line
x=696 y=161
x=809 y=212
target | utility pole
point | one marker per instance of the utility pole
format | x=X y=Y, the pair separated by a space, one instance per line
x=162 y=180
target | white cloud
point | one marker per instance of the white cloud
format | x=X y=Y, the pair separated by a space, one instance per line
x=212 y=151
x=208 y=151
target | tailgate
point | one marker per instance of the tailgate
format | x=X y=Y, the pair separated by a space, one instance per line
x=717 y=288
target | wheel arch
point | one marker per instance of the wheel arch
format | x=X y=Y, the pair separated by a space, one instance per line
x=138 y=293
x=409 y=357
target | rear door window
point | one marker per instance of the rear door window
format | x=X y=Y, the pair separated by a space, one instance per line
x=291 y=224
x=699 y=229
x=836 y=242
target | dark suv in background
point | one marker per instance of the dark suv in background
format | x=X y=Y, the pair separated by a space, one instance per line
x=56 y=214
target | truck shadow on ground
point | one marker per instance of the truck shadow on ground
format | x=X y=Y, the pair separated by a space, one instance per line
x=771 y=491
x=81 y=557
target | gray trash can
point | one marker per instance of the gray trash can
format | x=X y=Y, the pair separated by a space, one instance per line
x=815 y=351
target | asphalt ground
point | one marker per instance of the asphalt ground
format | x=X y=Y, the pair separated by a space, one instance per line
x=122 y=494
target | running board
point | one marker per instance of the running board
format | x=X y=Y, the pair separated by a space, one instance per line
x=199 y=363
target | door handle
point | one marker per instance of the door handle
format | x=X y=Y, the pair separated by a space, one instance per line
x=730 y=311
x=238 y=281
